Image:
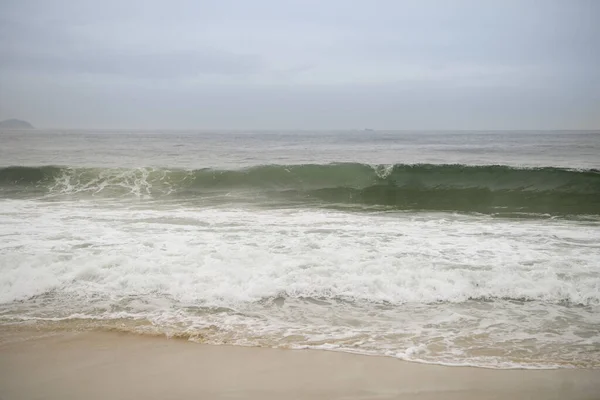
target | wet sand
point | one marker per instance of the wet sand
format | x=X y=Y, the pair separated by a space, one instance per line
x=125 y=366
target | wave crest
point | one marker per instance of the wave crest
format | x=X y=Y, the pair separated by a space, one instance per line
x=487 y=189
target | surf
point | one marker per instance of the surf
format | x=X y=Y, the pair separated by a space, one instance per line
x=444 y=187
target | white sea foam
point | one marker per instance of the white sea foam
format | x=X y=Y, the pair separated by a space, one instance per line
x=431 y=287
x=125 y=181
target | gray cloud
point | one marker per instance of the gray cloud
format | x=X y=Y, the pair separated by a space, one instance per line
x=301 y=64
x=145 y=65
x=70 y=48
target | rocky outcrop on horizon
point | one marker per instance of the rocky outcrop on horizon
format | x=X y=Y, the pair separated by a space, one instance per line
x=15 y=124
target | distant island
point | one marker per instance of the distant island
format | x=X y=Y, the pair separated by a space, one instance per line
x=15 y=124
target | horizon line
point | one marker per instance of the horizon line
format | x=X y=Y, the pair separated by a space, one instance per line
x=366 y=130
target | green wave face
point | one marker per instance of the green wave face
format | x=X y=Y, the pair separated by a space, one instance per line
x=486 y=189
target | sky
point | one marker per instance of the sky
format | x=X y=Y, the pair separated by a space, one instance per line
x=310 y=64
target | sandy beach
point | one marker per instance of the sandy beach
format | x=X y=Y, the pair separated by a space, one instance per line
x=333 y=200
x=126 y=366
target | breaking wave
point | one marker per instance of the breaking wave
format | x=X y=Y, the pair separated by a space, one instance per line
x=486 y=189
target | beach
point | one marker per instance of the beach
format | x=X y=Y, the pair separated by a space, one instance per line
x=101 y=365
x=299 y=200
x=317 y=265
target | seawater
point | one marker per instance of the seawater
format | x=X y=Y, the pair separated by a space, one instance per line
x=477 y=248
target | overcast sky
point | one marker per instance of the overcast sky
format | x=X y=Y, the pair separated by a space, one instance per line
x=328 y=64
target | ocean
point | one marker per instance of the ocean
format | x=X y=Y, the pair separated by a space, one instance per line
x=456 y=248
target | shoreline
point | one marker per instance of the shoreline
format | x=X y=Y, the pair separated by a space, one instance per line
x=100 y=365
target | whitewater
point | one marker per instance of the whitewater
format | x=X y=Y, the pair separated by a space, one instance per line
x=451 y=248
